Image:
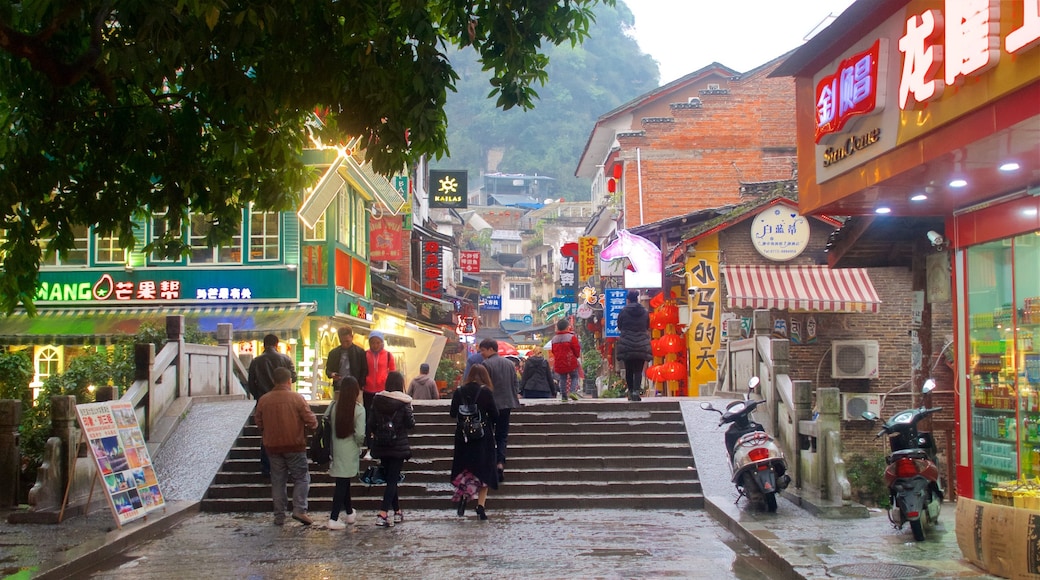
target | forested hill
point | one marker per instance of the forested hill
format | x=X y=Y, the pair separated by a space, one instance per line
x=585 y=82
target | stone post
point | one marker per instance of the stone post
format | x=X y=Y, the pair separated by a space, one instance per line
x=802 y=412
x=829 y=402
x=10 y=458
x=224 y=342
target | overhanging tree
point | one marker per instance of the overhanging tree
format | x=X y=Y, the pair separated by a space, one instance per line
x=112 y=109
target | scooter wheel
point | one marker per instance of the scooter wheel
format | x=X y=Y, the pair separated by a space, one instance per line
x=770 y=499
x=917 y=527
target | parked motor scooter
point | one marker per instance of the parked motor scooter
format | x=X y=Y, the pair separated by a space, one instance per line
x=758 y=466
x=912 y=475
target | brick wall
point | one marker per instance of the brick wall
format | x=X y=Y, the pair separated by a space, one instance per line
x=698 y=157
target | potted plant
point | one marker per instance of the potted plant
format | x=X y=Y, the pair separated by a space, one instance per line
x=447 y=376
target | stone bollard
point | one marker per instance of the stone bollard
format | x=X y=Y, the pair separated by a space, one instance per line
x=10 y=457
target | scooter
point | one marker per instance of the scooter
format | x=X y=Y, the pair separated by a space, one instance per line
x=912 y=475
x=758 y=466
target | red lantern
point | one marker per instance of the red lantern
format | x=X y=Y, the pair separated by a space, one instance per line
x=657 y=347
x=611 y=185
x=656 y=323
x=670 y=343
x=657 y=300
x=669 y=312
x=618 y=168
x=673 y=371
x=654 y=373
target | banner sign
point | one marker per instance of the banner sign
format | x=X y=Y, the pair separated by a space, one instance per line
x=432 y=272
x=469 y=261
x=491 y=302
x=569 y=268
x=448 y=189
x=586 y=257
x=385 y=239
x=118 y=448
x=615 y=301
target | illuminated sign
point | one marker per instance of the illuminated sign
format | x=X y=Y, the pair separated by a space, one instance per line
x=469 y=261
x=852 y=144
x=568 y=268
x=586 y=257
x=105 y=288
x=432 y=272
x=491 y=302
x=855 y=88
x=612 y=305
x=448 y=189
x=644 y=256
x=779 y=233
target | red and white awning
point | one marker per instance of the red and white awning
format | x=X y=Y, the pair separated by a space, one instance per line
x=807 y=288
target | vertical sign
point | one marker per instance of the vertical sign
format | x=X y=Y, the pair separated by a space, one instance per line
x=569 y=270
x=385 y=239
x=613 y=303
x=118 y=448
x=448 y=189
x=469 y=261
x=586 y=258
x=703 y=334
x=432 y=272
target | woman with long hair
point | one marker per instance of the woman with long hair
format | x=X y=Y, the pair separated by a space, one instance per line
x=473 y=464
x=388 y=424
x=348 y=416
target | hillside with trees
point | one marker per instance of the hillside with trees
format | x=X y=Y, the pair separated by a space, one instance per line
x=584 y=82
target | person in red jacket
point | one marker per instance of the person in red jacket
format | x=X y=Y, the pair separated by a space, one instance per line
x=380 y=364
x=566 y=351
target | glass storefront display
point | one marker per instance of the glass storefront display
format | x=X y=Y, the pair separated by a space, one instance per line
x=1004 y=360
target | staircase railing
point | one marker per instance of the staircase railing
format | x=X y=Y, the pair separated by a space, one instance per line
x=810 y=440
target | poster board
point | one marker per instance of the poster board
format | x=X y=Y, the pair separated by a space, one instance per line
x=118 y=447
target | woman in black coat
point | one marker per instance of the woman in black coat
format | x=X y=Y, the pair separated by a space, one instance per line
x=537 y=381
x=474 y=462
x=390 y=446
x=633 y=345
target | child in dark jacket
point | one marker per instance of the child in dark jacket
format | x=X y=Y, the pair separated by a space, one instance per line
x=388 y=425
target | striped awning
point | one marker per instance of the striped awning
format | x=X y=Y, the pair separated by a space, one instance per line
x=806 y=288
x=79 y=326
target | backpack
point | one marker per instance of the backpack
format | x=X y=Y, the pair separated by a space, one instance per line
x=471 y=421
x=384 y=433
x=320 y=450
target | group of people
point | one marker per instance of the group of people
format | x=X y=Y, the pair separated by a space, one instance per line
x=370 y=410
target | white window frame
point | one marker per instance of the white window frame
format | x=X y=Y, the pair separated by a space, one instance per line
x=264 y=244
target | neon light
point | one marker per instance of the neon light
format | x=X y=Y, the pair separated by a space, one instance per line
x=852 y=90
x=1028 y=35
x=972 y=38
x=922 y=55
x=644 y=255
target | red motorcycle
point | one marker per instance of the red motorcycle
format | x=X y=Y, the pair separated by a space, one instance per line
x=912 y=475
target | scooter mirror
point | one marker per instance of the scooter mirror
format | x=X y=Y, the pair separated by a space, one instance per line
x=752 y=383
x=707 y=406
x=868 y=416
x=928 y=386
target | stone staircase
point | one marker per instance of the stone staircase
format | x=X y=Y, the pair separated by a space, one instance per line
x=593 y=453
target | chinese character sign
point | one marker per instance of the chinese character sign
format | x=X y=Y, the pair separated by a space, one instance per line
x=469 y=261
x=613 y=302
x=569 y=267
x=118 y=448
x=853 y=89
x=491 y=302
x=385 y=239
x=780 y=233
x=586 y=257
x=703 y=335
x=448 y=189
x=432 y=272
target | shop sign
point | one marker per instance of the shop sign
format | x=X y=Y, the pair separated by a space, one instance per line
x=491 y=302
x=615 y=301
x=385 y=239
x=704 y=336
x=853 y=89
x=432 y=272
x=854 y=143
x=586 y=257
x=779 y=233
x=644 y=256
x=568 y=266
x=469 y=261
x=448 y=189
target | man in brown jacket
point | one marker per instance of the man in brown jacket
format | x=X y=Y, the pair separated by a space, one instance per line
x=284 y=419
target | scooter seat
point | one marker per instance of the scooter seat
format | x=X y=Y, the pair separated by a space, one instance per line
x=908 y=454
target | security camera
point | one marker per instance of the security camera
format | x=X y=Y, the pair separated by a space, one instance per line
x=936 y=238
x=692 y=290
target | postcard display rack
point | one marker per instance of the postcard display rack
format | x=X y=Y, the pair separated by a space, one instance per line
x=124 y=466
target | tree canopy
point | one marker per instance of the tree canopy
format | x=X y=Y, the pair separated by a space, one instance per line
x=114 y=109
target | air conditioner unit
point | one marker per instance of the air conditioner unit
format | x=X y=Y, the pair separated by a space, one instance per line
x=457 y=275
x=854 y=359
x=854 y=404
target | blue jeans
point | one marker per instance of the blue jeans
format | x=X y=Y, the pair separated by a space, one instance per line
x=502 y=434
x=568 y=382
x=286 y=466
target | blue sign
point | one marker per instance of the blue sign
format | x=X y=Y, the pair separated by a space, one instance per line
x=528 y=319
x=613 y=303
x=491 y=302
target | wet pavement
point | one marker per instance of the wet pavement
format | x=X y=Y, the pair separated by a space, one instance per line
x=723 y=541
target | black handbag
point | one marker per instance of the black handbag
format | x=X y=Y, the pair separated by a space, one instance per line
x=471 y=421
x=376 y=475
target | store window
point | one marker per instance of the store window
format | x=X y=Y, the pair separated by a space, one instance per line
x=75 y=256
x=159 y=226
x=1004 y=360
x=47 y=362
x=317 y=233
x=520 y=291
x=107 y=250
x=198 y=239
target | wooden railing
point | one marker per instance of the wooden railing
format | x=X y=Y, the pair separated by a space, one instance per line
x=811 y=441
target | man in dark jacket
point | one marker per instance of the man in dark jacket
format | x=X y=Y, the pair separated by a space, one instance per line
x=284 y=419
x=261 y=381
x=633 y=346
x=346 y=359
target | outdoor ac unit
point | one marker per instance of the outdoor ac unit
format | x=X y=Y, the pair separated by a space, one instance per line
x=854 y=359
x=854 y=404
x=457 y=275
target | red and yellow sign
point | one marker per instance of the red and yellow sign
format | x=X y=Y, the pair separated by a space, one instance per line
x=703 y=334
x=385 y=239
x=586 y=257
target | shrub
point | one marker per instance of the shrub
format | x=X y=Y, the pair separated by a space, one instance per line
x=866 y=476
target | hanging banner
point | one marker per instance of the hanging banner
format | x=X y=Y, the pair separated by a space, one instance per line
x=385 y=239
x=568 y=270
x=586 y=258
x=432 y=271
x=448 y=189
x=614 y=302
x=469 y=261
x=118 y=448
x=703 y=336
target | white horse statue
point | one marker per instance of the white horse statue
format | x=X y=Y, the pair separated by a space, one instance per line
x=644 y=256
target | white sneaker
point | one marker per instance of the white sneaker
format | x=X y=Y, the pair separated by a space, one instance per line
x=352 y=516
x=368 y=456
x=336 y=525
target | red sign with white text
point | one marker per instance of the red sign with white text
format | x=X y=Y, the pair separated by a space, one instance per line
x=852 y=90
x=385 y=239
x=469 y=262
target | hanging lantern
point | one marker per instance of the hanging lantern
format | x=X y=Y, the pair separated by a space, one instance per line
x=654 y=373
x=611 y=185
x=656 y=323
x=618 y=168
x=657 y=300
x=673 y=371
x=657 y=347
x=669 y=312
x=670 y=343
